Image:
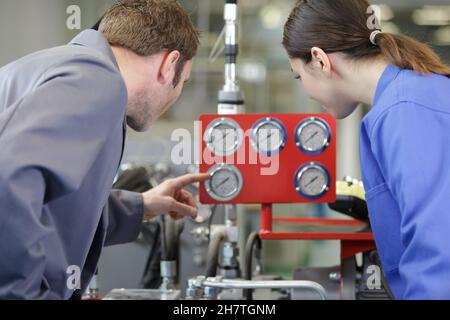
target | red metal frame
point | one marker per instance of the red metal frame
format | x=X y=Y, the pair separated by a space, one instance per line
x=351 y=242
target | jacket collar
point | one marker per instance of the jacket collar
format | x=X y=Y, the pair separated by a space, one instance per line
x=95 y=40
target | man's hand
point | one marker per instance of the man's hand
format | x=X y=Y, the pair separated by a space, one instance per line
x=170 y=197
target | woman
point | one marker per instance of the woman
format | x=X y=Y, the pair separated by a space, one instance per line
x=405 y=138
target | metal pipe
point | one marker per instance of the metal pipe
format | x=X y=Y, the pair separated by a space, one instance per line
x=168 y=274
x=230 y=215
x=231 y=101
x=231 y=51
x=274 y=284
x=231 y=98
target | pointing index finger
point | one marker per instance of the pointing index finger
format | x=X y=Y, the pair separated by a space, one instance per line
x=188 y=179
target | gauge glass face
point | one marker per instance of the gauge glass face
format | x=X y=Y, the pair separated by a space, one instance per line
x=223 y=137
x=313 y=136
x=269 y=137
x=312 y=181
x=225 y=183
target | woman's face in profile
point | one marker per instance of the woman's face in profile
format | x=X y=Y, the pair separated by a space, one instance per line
x=323 y=84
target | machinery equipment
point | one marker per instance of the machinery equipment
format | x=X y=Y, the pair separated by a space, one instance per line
x=235 y=149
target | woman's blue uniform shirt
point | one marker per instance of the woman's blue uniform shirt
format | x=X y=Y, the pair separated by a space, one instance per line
x=405 y=157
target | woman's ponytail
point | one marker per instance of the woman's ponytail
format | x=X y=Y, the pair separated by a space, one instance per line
x=407 y=53
x=342 y=26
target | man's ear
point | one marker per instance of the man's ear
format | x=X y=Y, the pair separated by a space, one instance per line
x=168 y=65
x=320 y=61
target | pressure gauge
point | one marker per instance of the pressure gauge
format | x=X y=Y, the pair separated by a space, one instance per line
x=223 y=136
x=312 y=136
x=225 y=183
x=312 y=180
x=268 y=136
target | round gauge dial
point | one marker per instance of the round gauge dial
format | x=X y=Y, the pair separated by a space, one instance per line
x=225 y=183
x=223 y=136
x=313 y=136
x=268 y=136
x=312 y=181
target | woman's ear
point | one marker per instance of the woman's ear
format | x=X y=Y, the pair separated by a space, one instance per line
x=320 y=61
x=168 y=66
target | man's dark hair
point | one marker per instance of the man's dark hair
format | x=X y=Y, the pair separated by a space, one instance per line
x=147 y=27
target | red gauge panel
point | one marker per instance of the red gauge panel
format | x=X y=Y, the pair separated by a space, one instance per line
x=269 y=177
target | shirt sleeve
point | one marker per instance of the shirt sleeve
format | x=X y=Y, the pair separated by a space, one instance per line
x=411 y=143
x=42 y=159
x=125 y=211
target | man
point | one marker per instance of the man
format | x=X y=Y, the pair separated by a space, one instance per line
x=63 y=115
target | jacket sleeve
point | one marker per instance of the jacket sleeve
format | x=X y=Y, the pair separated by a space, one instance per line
x=125 y=211
x=412 y=147
x=81 y=99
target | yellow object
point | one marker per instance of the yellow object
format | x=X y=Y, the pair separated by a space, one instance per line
x=344 y=188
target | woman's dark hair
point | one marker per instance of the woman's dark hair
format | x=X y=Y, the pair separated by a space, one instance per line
x=342 y=26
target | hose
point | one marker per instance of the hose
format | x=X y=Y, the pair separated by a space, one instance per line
x=252 y=241
x=212 y=261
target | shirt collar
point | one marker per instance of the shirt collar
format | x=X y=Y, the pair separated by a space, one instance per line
x=390 y=74
x=95 y=40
